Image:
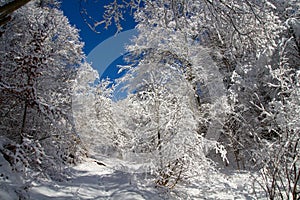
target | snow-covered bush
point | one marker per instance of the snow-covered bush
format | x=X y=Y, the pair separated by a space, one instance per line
x=28 y=154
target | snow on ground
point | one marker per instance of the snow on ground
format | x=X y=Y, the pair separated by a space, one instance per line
x=119 y=179
x=223 y=186
x=92 y=180
x=11 y=184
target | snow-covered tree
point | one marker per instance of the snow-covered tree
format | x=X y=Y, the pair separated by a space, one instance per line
x=281 y=170
x=40 y=54
x=92 y=110
x=162 y=122
x=165 y=98
x=83 y=101
x=264 y=93
x=280 y=154
x=251 y=91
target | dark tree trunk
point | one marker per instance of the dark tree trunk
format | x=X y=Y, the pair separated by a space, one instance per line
x=9 y=8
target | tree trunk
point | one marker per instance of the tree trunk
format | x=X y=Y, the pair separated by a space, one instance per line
x=9 y=8
x=24 y=118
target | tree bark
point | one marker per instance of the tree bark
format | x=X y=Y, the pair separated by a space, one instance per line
x=9 y=8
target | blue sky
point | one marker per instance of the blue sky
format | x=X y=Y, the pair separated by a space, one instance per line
x=104 y=50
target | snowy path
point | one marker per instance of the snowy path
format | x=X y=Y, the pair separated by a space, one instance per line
x=121 y=180
x=93 y=181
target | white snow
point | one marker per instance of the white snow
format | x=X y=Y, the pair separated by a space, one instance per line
x=90 y=180
x=112 y=178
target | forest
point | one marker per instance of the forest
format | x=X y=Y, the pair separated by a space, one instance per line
x=211 y=111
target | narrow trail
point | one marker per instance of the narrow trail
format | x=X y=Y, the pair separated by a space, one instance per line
x=111 y=178
x=94 y=180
